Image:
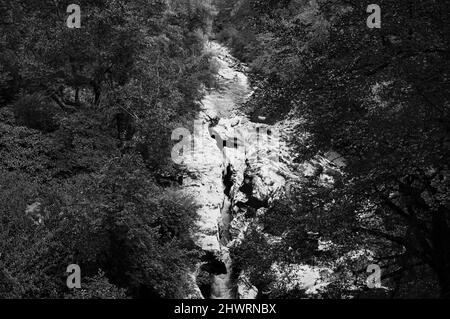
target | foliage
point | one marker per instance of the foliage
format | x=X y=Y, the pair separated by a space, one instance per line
x=379 y=98
x=97 y=287
x=117 y=220
x=85 y=122
x=36 y=112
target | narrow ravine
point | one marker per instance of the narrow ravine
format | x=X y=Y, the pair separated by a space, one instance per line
x=212 y=173
x=236 y=170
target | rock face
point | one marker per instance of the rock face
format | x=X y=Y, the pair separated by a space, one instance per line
x=214 y=174
x=240 y=169
x=34 y=212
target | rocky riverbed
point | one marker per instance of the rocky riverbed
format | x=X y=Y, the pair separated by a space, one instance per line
x=237 y=168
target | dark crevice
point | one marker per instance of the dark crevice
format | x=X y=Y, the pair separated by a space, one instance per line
x=247 y=188
x=256 y=203
x=224 y=225
x=247 y=185
x=211 y=267
x=228 y=179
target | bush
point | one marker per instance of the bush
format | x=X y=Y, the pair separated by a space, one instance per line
x=37 y=112
x=97 y=287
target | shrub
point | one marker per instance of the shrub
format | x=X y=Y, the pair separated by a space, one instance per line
x=37 y=112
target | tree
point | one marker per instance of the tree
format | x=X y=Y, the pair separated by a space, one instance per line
x=378 y=97
x=85 y=122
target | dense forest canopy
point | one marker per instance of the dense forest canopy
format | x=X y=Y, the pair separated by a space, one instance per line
x=378 y=97
x=86 y=118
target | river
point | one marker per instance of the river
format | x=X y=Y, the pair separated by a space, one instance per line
x=209 y=164
x=236 y=169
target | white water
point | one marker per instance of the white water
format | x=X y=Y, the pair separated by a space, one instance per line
x=217 y=230
x=209 y=163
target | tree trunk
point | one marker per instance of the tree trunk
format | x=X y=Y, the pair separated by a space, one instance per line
x=77 y=95
x=97 y=93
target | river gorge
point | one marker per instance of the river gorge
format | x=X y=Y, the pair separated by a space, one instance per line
x=237 y=168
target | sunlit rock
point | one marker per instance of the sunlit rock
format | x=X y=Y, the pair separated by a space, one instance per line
x=245 y=289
